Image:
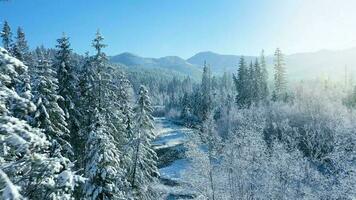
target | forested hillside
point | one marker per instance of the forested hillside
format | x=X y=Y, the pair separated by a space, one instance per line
x=83 y=126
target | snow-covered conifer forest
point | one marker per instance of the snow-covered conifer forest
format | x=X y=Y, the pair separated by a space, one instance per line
x=93 y=126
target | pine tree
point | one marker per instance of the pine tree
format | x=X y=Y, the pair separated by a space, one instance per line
x=144 y=167
x=67 y=84
x=206 y=96
x=280 y=82
x=10 y=191
x=85 y=108
x=124 y=117
x=21 y=50
x=24 y=155
x=66 y=78
x=241 y=84
x=103 y=164
x=264 y=78
x=252 y=84
x=99 y=62
x=49 y=115
x=186 y=107
x=22 y=84
x=6 y=35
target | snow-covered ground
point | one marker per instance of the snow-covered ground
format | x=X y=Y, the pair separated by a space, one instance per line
x=171 y=136
x=173 y=171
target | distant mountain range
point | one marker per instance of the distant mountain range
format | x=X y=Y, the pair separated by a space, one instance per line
x=173 y=63
x=320 y=64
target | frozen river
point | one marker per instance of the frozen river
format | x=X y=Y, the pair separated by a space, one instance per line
x=169 y=145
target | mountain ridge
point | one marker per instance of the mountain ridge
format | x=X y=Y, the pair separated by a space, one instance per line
x=299 y=65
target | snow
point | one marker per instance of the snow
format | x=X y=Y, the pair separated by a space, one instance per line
x=169 y=134
x=174 y=171
x=9 y=60
x=11 y=191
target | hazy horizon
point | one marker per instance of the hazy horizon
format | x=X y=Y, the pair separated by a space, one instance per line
x=267 y=54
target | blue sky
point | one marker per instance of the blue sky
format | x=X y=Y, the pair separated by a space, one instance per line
x=155 y=28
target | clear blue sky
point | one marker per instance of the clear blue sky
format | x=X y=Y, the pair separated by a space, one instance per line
x=155 y=28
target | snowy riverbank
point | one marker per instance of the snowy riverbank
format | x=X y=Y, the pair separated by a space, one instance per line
x=169 y=145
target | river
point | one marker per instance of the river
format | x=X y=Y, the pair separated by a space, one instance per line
x=169 y=145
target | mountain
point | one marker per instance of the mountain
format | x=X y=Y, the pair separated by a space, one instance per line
x=322 y=64
x=309 y=65
x=130 y=59
x=218 y=63
x=173 y=63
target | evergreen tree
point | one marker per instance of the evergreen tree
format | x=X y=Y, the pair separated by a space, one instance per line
x=103 y=165
x=206 y=96
x=21 y=50
x=67 y=89
x=10 y=191
x=186 y=107
x=252 y=92
x=241 y=83
x=24 y=155
x=144 y=167
x=6 y=36
x=280 y=82
x=85 y=108
x=66 y=78
x=124 y=117
x=226 y=84
x=264 y=78
x=49 y=116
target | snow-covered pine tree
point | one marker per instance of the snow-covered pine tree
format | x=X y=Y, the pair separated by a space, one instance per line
x=252 y=84
x=85 y=82
x=6 y=36
x=124 y=122
x=241 y=83
x=102 y=155
x=280 y=81
x=67 y=81
x=9 y=190
x=102 y=163
x=206 y=96
x=264 y=77
x=186 y=107
x=144 y=170
x=49 y=116
x=21 y=84
x=21 y=50
x=24 y=155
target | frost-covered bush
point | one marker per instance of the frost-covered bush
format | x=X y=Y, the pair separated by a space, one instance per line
x=301 y=149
